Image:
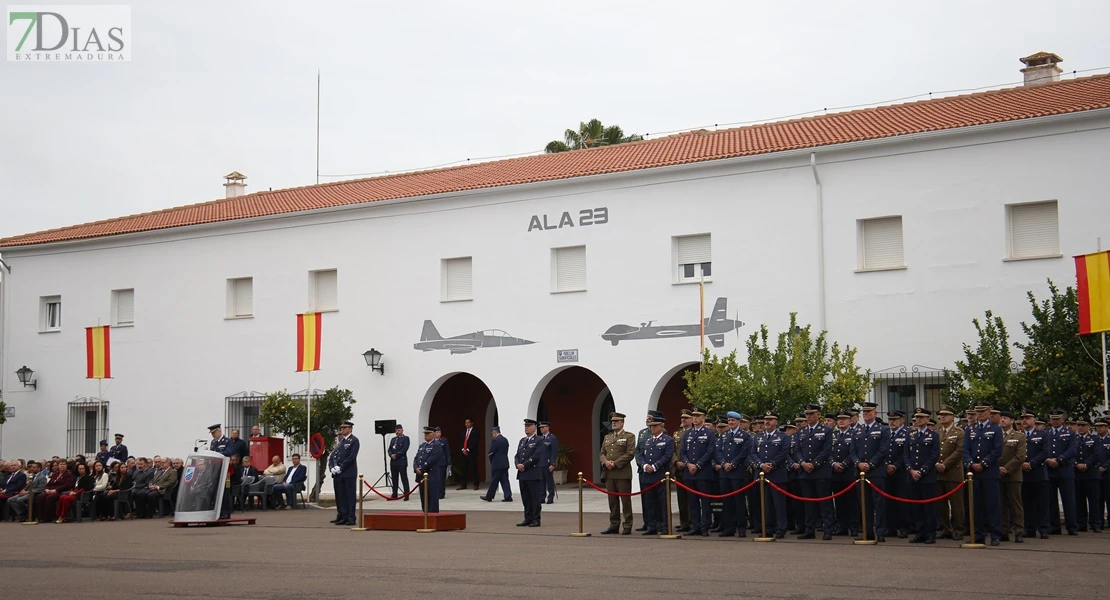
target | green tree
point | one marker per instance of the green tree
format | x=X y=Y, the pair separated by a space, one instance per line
x=1060 y=371
x=3 y=409
x=590 y=135
x=288 y=416
x=716 y=385
x=847 y=385
x=987 y=372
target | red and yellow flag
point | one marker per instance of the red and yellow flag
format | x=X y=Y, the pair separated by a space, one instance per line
x=308 y=341
x=1092 y=273
x=98 y=352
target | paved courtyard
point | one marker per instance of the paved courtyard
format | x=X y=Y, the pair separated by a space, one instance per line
x=298 y=554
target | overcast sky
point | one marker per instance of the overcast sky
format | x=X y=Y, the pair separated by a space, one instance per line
x=219 y=86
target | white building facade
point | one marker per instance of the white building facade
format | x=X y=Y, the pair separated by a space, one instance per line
x=582 y=290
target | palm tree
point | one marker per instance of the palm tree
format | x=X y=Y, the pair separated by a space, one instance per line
x=590 y=135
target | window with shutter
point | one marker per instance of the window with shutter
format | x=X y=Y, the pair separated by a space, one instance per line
x=50 y=313
x=123 y=307
x=570 y=269
x=325 y=290
x=880 y=243
x=240 y=297
x=1034 y=230
x=693 y=257
x=457 y=279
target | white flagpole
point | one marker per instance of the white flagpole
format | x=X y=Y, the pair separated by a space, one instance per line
x=1105 y=391
x=99 y=401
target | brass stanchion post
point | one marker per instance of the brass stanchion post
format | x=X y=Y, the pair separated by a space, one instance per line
x=361 y=494
x=971 y=515
x=763 y=509
x=580 y=533
x=424 y=484
x=30 y=507
x=863 y=512
x=670 y=535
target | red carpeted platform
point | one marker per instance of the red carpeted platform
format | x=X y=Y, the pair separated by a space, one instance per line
x=235 y=521
x=411 y=521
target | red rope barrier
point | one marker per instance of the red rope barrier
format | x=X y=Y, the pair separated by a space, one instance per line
x=623 y=494
x=690 y=490
x=825 y=499
x=391 y=499
x=908 y=501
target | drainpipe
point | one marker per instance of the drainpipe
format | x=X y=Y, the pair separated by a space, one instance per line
x=820 y=243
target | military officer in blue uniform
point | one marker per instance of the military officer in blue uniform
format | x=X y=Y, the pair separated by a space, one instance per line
x=1060 y=461
x=732 y=457
x=119 y=451
x=897 y=479
x=922 y=450
x=529 y=460
x=344 y=470
x=445 y=448
x=843 y=460
x=654 y=455
x=1102 y=427
x=1088 y=506
x=550 y=455
x=983 y=445
x=219 y=443
x=428 y=459
x=102 y=456
x=795 y=509
x=756 y=431
x=872 y=449
x=769 y=457
x=811 y=463
x=1034 y=483
x=697 y=453
x=399 y=460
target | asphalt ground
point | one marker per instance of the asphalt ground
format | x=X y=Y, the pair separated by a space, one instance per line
x=298 y=554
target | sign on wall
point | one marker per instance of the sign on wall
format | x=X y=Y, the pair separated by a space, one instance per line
x=567 y=356
x=587 y=216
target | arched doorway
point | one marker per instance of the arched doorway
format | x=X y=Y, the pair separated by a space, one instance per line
x=668 y=396
x=577 y=402
x=451 y=400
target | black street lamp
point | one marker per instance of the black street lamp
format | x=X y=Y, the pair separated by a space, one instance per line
x=24 y=374
x=374 y=360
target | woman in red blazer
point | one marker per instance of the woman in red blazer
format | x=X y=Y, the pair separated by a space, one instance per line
x=84 y=483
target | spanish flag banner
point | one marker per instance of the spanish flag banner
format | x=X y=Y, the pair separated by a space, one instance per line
x=308 y=341
x=1092 y=273
x=98 y=352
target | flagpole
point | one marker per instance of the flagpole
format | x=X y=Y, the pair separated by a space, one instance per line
x=99 y=400
x=317 y=126
x=701 y=313
x=1105 y=390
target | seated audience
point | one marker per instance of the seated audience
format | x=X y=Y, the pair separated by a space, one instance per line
x=84 y=482
x=285 y=493
x=276 y=468
x=60 y=482
x=17 y=505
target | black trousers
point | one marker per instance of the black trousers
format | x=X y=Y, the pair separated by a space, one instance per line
x=1060 y=488
x=683 y=502
x=345 y=498
x=1034 y=495
x=898 y=513
x=923 y=516
x=469 y=469
x=549 y=484
x=500 y=476
x=1088 y=505
x=1103 y=513
x=876 y=508
x=775 y=504
x=847 y=506
x=443 y=478
x=817 y=513
x=435 y=487
x=700 y=517
x=734 y=519
x=753 y=506
x=655 y=506
x=795 y=511
x=531 y=494
x=988 y=509
x=399 y=472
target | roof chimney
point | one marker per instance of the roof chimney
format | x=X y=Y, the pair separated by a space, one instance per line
x=1041 y=68
x=235 y=184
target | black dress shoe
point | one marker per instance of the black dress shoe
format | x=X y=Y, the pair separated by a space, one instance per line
x=881 y=538
x=524 y=524
x=807 y=536
x=650 y=532
x=406 y=499
x=693 y=532
x=340 y=523
x=741 y=533
x=780 y=535
x=1018 y=538
x=826 y=537
x=1072 y=533
x=798 y=531
x=726 y=534
x=944 y=536
x=507 y=500
x=626 y=531
x=902 y=534
x=550 y=502
x=609 y=531
x=641 y=528
x=683 y=528
x=534 y=524
x=714 y=530
x=486 y=499
x=917 y=540
x=995 y=541
x=1044 y=536
x=334 y=521
x=931 y=541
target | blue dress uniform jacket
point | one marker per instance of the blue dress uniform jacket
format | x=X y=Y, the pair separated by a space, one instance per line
x=1062 y=446
x=119 y=452
x=399 y=446
x=733 y=449
x=897 y=456
x=429 y=459
x=873 y=448
x=843 y=453
x=983 y=445
x=220 y=444
x=530 y=454
x=922 y=453
x=773 y=448
x=698 y=449
x=1087 y=453
x=499 y=453
x=657 y=453
x=346 y=457
x=813 y=447
x=1036 y=451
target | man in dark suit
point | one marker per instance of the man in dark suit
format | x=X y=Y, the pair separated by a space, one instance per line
x=248 y=468
x=238 y=445
x=11 y=483
x=551 y=452
x=471 y=450
x=343 y=472
x=499 y=464
x=285 y=493
x=399 y=460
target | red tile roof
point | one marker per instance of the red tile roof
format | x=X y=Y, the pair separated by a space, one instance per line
x=994 y=106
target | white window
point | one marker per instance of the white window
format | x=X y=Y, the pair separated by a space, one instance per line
x=568 y=269
x=50 y=313
x=240 y=297
x=323 y=290
x=880 y=244
x=123 y=308
x=693 y=257
x=456 y=283
x=1034 y=230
